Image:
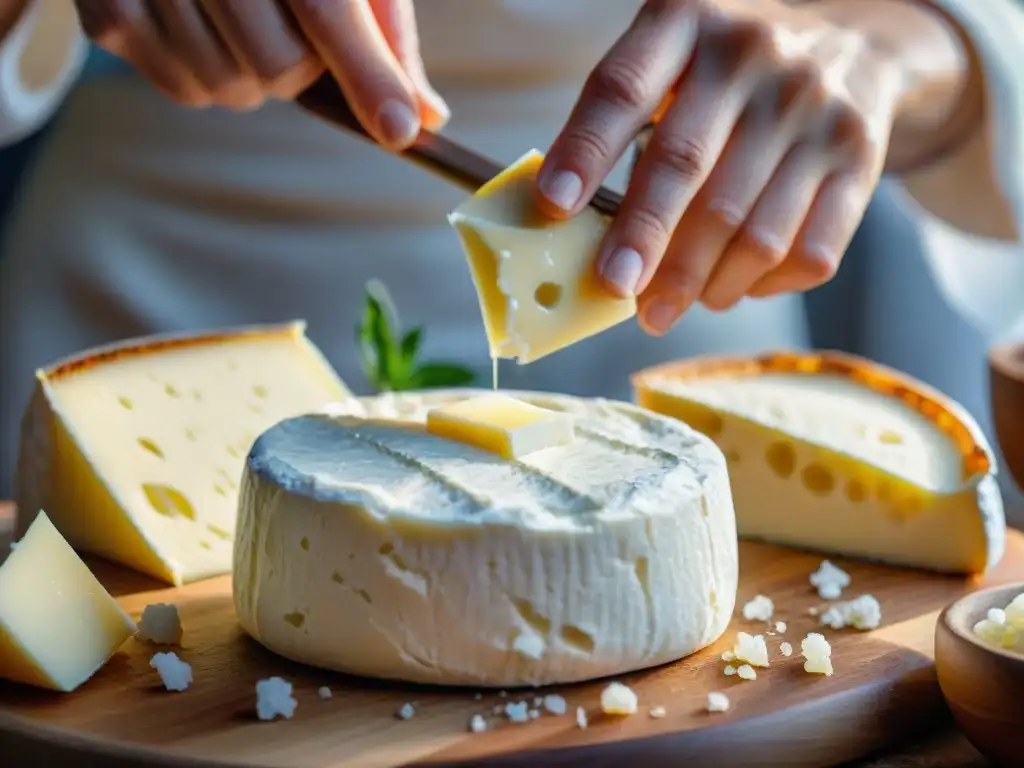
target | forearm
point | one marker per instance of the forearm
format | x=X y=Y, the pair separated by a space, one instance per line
x=941 y=98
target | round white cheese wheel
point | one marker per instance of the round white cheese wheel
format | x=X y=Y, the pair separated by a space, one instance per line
x=368 y=546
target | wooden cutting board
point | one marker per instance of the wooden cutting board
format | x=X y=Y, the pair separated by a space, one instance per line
x=883 y=691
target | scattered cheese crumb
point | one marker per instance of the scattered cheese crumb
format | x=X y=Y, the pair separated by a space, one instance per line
x=160 y=624
x=812 y=611
x=830 y=580
x=717 y=702
x=529 y=645
x=752 y=650
x=780 y=627
x=503 y=694
x=658 y=712
x=746 y=672
x=618 y=699
x=818 y=654
x=274 y=698
x=534 y=714
x=1004 y=628
x=324 y=692
x=517 y=711
x=581 y=718
x=786 y=649
x=406 y=711
x=729 y=670
x=760 y=608
x=497 y=709
x=863 y=613
x=477 y=696
x=477 y=724
x=998 y=615
x=555 y=704
x=174 y=673
x=537 y=701
x=728 y=656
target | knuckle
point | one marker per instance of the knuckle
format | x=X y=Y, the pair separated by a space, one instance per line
x=739 y=41
x=104 y=20
x=623 y=83
x=588 y=144
x=649 y=226
x=804 y=83
x=685 y=157
x=765 y=249
x=816 y=268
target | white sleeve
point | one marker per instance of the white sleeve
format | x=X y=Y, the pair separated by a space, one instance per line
x=40 y=59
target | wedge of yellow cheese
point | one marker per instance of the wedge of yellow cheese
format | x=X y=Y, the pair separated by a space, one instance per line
x=58 y=625
x=534 y=276
x=501 y=424
x=136 y=450
x=835 y=453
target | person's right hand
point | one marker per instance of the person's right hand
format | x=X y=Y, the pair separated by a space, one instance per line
x=239 y=53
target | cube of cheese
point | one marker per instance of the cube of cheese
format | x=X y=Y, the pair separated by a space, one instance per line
x=534 y=276
x=136 y=450
x=58 y=625
x=501 y=424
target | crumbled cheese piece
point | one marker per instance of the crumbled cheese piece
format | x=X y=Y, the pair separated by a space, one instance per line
x=830 y=580
x=729 y=670
x=503 y=694
x=618 y=699
x=518 y=711
x=274 y=698
x=555 y=704
x=534 y=714
x=818 y=654
x=760 y=608
x=998 y=615
x=1015 y=611
x=1004 y=628
x=812 y=611
x=581 y=718
x=658 y=712
x=529 y=644
x=786 y=649
x=717 y=702
x=477 y=696
x=746 y=672
x=728 y=656
x=174 y=673
x=537 y=701
x=160 y=624
x=324 y=692
x=497 y=709
x=477 y=724
x=863 y=613
x=780 y=627
x=752 y=650
x=406 y=711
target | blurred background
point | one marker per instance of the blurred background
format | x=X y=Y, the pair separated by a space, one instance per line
x=122 y=214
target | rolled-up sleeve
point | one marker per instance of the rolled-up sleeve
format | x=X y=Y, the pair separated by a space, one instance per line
x=40 y=60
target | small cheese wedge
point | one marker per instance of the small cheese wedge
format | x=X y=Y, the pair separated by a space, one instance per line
x=534 y=276
x=58 y=625
x=501 y=424
x=834 y=453
x=136 y=450
x=367 y=545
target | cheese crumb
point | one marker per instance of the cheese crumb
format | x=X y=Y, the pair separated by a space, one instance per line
x=555 y=704
x=406 y=711
x=1004 y=627
x=717 y=702
x=728 y=656
x=752 y=650
x=818 y=654
x=477 y=724
x=160 y=624
x=517 y=711
x=812 y=611
x=862 y=613
x=786 y=649
x=746 y=672
x=581 y=718
x=274 y=698
x=529 y=645
x=534 y=714
x=175 y=674
x=324 y=692
x=729 y=670
x=760 y=608
x=477 y=696
x=830 y=580
x=618 y=699
x=781 y=627
x=658 y=712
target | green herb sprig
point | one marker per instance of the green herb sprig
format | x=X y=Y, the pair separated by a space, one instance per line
x=389 y=358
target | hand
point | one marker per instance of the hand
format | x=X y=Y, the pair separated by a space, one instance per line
x=758 y=172
x=239 y=53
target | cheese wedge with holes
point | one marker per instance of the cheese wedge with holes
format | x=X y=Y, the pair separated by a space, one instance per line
x=370 y=546
x=136 y=450
x=534 y=276
x=834 y=453
x=58 y=625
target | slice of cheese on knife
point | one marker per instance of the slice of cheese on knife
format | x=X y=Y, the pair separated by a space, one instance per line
x=835 y=453
x=136 y=450
x=534 y=276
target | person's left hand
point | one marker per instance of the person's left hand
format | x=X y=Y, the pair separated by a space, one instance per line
x=758 y=172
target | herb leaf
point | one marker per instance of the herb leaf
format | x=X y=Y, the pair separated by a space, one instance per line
x=441 y=375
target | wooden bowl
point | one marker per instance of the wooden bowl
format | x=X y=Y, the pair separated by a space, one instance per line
x=1006 y=383
x=983 y=685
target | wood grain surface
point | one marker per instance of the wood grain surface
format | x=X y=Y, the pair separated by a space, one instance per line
x=884 y=692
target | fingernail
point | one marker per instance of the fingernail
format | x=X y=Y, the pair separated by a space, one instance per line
x=563 y=188
x=623 y=269
x=660 y=315
x=437 y=104
x=397 y=122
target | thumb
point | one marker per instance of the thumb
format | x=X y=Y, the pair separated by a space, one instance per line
x=397 y=20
